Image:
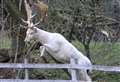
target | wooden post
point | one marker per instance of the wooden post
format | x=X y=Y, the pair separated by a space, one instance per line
x=73 y=71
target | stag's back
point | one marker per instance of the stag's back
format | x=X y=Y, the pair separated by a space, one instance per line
x=67 y=50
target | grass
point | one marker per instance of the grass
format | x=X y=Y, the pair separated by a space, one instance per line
x=103 y=53
x=109 y=53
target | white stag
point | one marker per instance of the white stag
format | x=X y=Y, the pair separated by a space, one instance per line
x=56 y=45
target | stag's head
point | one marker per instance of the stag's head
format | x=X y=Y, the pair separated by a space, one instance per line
x=30 y=34
x=31 y=29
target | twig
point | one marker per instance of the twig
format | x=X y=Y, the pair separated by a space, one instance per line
x=16 y=54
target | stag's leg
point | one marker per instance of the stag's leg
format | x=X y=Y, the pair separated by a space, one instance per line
x=43 y=54
x=51 y=48
x=83 y=75
x=42 y=50
x=54 y=49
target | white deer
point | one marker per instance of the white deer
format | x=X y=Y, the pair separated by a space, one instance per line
x=56 y=45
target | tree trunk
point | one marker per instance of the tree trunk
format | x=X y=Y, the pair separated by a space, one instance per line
x=16 y=15
x=87 y=50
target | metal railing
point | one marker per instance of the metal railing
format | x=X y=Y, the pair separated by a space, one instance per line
x=71 y=66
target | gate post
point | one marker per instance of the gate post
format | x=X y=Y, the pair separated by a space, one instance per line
x=73 y=71
x=26 y=70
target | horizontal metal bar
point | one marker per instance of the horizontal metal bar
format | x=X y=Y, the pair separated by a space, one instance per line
x=41 y=66
x=59 y=66
x=18 y=80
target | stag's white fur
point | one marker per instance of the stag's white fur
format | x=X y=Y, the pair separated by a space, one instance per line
x=55 y=44
x=58 y=47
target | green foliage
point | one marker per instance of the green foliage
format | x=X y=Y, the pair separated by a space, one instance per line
x=54 y=74
x=5 y=42
x=105 y=51
x=106 y=77
x=13 y=9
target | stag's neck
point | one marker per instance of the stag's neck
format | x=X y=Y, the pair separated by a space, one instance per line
x=43 y=36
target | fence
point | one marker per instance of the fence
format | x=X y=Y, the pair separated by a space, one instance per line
x=71 y=66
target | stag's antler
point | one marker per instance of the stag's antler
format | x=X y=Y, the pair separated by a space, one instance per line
x=28 y=11
x=29 y=15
